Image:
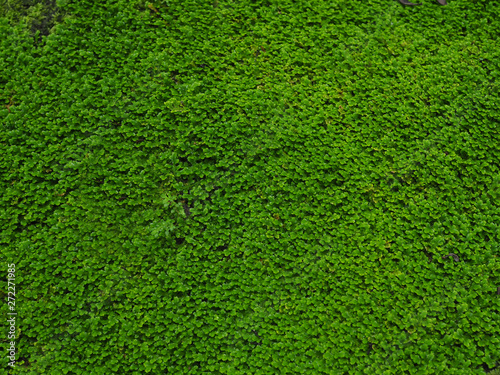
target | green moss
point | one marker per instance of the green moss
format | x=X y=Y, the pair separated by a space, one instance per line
x=231 y=187
x=40 y=16
x=494 y=372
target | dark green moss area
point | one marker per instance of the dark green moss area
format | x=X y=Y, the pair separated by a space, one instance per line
x=40 y=16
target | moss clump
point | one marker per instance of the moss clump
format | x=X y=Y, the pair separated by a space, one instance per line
x=40 y=16
x=495 y=371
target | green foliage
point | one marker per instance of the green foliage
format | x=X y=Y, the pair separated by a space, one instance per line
x=40 y=16
x=221 y=187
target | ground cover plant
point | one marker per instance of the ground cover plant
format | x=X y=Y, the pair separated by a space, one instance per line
x=251 y=187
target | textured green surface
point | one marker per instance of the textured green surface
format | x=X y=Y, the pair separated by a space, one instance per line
x=253 y=187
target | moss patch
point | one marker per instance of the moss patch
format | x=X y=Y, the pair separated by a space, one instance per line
x=40 y=16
